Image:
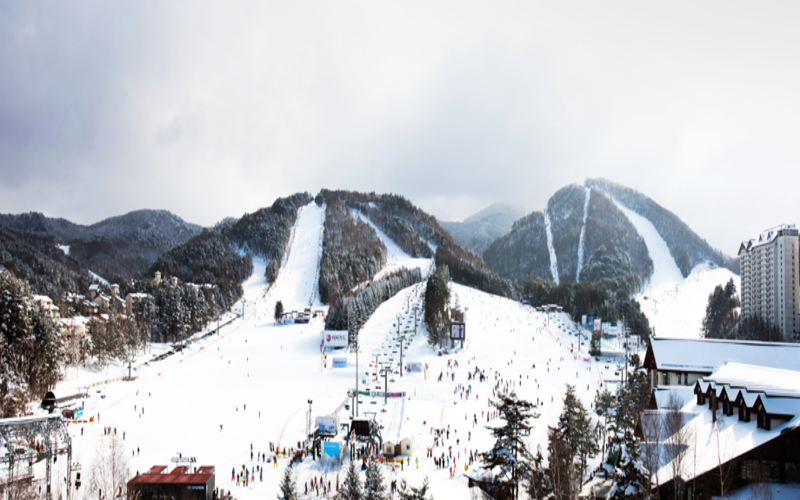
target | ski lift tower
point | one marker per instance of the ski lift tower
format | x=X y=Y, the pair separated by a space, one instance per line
x=48 y=430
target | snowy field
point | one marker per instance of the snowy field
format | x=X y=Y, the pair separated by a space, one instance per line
x=679 y=311
x=251 y=383
x=248 y=386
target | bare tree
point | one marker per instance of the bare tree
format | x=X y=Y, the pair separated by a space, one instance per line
x=724 y=467
x=109 y=473
x=651 y=445
x=676 y=440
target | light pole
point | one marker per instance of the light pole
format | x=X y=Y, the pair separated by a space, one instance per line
x=308 y=421
x=386 y=370
x=355 y=401
x=402 y=341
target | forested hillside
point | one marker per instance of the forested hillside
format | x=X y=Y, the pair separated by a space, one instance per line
x=565 y=209
x=207 y=259
x=522 y=252
x=35 y=258
x=265 y=233
x=685 y=246
x=414 y=231
x=351 y=251
x=117 y=248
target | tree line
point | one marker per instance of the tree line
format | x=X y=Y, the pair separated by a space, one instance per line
x=352 y=310
x=590 y=298
x=32 y=350
x=722 y=319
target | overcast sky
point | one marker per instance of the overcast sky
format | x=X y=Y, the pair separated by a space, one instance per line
x=213 y=109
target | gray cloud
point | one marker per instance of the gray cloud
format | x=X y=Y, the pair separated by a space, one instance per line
x=211 y=109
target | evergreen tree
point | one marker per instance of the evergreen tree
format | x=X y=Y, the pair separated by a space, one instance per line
x=278 y=310
x=414 y=492
x=721 y=312
x=633 y=398
x=31 y=347
x=603 y=406
x=288 y=486
x=351 y=489
x=571 y=443
x=539 y=485
x=594 y=346
x=631 y=477
x=437 y=296
x=510 y=453
x=374 y=487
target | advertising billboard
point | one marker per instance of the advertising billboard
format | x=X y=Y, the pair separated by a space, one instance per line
x=330 y=448
x=334 y=339
x=591 y=323
x=457 y=331
x=339 y=363
x=414 y=367
x=327 y=424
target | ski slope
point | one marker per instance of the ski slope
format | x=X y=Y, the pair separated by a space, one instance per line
x=297 y=286
x=250 y=385
x=583 y=233
x=396 y=257
x=674 y=306
x=665 y=272
x=679 y=311
x=551 y=249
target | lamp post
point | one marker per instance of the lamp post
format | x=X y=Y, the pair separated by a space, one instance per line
x=385 y=371
x=355 y=396
x=308 y=421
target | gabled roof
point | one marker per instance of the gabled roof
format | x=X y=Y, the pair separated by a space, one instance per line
x=707 y=355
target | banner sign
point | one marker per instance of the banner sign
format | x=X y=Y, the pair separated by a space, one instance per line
x=414 y=367
x=327 y=424
x=331 y=448
x=339 y=363
x=333 y=339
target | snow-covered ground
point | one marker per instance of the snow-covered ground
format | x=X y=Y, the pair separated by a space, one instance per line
x=679 y=311
x=550 y=248
x=665 y=272
x=674 y=306
x=396 y=258
x=251 y=383
x=98 y=278
x=297 y=286
x=583 y=232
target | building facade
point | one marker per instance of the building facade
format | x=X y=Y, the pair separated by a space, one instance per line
x=770 y=278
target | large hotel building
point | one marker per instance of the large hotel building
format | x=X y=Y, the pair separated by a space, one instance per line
x=770 y=279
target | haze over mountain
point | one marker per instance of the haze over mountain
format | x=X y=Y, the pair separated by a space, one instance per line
x=479 y=230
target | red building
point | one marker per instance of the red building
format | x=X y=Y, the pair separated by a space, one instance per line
x=180 y=484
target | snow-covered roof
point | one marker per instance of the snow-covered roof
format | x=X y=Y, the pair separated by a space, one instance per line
x=707 y=355
x=773 y=381
x=725 y=439
x=684 y=395
x=94 y=286
x=780 y=406
x=768 y=236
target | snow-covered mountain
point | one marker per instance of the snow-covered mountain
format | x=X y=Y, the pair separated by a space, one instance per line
x=479 y=230
x=117 y=248
x=593 y=221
